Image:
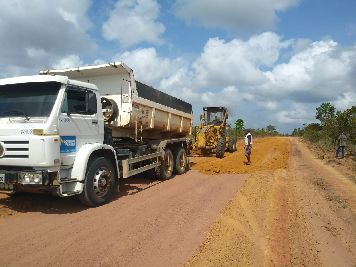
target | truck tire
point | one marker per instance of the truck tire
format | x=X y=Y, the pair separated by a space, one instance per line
x=220 y=148
x=165 y=170
x=99 y=183
x=232 y=145
x=180 y=160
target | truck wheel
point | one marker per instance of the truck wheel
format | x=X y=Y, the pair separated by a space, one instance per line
x=180 y=161
x=232 y=145
x=99 y=182
x=220 y=148
x=165 y=170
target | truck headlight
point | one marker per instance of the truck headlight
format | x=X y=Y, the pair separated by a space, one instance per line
x=31 y=178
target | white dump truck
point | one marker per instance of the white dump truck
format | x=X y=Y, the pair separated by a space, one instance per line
x=77 y=131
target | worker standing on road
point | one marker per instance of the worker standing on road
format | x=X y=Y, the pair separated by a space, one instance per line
x=248 y=146
x=341 y=146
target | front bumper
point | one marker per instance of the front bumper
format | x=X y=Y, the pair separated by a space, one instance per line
x=28 y=180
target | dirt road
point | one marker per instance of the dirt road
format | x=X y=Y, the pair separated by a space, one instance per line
x=150 y=223
x=287 y=208
x=303 y=213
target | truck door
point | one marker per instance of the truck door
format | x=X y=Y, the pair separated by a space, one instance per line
x=78 y=122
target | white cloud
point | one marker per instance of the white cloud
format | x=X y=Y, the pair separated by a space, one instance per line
x=255 y=75
x=346 y=100
x=296 y=114
x=269 y=104
x=68 y=62
x=229 y=96
x=149 y=67
x=238 y=61
x=318 y=73
x=233 y=14
x=34 y=34
x=134 y=21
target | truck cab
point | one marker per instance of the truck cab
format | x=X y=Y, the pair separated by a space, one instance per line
x=45 y=122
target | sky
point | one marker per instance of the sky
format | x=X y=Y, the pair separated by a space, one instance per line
x=267 y=61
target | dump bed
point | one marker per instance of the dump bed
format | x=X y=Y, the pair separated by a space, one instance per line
x=160 y=97
x=141 y=108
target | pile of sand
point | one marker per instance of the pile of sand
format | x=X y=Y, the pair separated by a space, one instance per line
x=267 y=154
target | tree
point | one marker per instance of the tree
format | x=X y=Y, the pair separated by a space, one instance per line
x=271 y=129
x=297 y=132
x=239 y=126
x=325 y=112
x=346 y=123
x=313 y=132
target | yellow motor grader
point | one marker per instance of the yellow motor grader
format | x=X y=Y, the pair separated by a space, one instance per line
x=213 y=134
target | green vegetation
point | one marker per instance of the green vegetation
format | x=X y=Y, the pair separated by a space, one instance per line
x=239 y=127
x=270 y=130
x=332 y=124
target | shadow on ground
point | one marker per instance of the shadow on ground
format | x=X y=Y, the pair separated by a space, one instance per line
x=28 y=202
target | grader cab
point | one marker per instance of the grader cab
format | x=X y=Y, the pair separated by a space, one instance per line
x=213 y=134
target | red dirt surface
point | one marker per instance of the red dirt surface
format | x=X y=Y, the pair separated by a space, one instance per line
x=300 y=215
x=150 y=223
x=288 y=209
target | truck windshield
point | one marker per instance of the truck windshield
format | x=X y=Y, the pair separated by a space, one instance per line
x=28 y=99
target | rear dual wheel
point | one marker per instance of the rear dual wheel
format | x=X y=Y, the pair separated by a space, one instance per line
x=165 y=170
x=176 y=163
x=180 y=160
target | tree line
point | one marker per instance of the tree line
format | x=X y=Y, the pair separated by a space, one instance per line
x=269 y=130
x=332 y=123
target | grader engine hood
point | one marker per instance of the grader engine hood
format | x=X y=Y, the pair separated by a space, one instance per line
x=206 y=137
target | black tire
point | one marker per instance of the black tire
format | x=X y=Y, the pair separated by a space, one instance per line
x=180 y=160
x=220 y=148
x=99 y=183
x=232 y=145
x=165 y=170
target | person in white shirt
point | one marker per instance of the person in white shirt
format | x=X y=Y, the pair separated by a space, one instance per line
x=248 y=146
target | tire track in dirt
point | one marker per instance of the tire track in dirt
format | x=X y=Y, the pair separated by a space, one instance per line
x=149 y=223
x=281 y=217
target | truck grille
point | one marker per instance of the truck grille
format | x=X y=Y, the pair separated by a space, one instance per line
x=15 y=149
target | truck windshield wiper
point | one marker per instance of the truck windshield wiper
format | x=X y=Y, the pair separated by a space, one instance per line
x=16 y=112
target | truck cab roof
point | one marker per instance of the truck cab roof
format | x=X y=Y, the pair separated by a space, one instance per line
x=46 y=78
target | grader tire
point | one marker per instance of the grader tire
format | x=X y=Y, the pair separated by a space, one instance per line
x=220 y=148
x=232 y=145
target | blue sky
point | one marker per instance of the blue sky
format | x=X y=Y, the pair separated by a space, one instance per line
x=268 y=61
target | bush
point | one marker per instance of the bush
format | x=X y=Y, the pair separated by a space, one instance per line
x=331 y=126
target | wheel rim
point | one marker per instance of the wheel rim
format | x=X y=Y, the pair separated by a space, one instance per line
x=102 y=181
x=182 y=160
x=168 y=163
